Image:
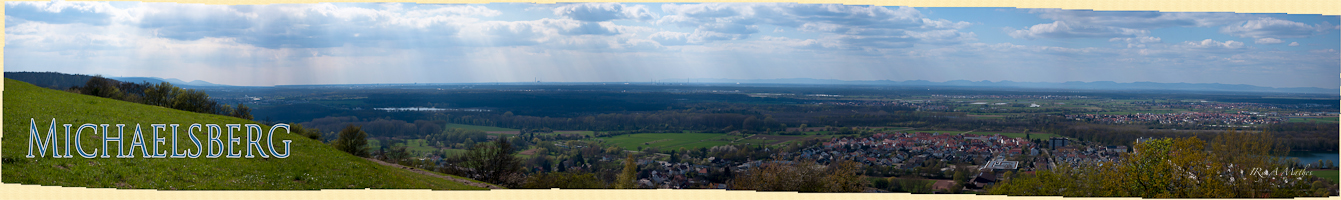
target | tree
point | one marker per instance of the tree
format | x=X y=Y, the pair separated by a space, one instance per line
x=160 y=94
x=494 y=163
x=242 y=112
x=960 y=177
x=397 y=154
x=1175 y=168
x=197 y=101
x=630 y=173
x=801 y=176
x=102 y=87
x=353 y=141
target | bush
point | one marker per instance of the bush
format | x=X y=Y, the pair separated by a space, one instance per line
x=353 y=141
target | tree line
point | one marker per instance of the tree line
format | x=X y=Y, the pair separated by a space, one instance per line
x=163 y=94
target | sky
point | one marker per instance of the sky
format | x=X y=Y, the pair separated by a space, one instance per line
x=358 y=43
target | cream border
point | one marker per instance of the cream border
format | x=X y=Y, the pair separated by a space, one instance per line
x=17 y=191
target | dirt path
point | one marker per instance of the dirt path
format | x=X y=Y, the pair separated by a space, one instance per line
x=421 y=171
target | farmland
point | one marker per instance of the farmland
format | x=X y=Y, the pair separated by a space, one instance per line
x=670 y=140
x=1314 y=119
x=481 y=128
x=1332 y=174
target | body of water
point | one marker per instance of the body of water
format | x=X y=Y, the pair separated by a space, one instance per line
x=1306 y=157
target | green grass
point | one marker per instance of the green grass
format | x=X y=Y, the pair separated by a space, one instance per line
x=1333 y=175
x=670 y=141
x=1314 y=120
x=586 y=133
x=816 y=132
x=481 y=128
x=311 y=165
x=417 y=147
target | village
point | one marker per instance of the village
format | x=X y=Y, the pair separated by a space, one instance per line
x=1187 y=118
x=986 y=158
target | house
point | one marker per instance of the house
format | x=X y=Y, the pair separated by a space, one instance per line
x=1119 y=149
x=1058 y=142
x=644 y=183
x=983 y=180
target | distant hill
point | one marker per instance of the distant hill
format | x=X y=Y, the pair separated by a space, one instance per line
x=173 y=81
x=53 y=80
x=311 y=164
x=61 y=81
x=1074 y=85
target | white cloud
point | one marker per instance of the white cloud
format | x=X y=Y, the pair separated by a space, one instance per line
x=1137 y=42
x=880 y=25
x=1144 y=39
x=1060 y=29
x=1212 y=44
x=599 y=12
x=1268 y=41
x=396 y=42
x=670 y=38
x=1140 y=19
x=944 y=24
x=1267 y=27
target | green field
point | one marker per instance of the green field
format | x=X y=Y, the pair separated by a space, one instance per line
x=1314 y=120
x=586 y=133
x=667 y=141
x=417 y=147
x=310 y=165
x=481 y=128
x=1327 y=174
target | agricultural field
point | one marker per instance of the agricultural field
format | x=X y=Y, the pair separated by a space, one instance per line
x=1314 y=119
x=481 y=128
x=670 y=140
x=1333 y=175
x=417 y=147
x=586 y=133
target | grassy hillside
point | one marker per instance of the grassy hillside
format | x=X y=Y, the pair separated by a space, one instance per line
x=311 y=165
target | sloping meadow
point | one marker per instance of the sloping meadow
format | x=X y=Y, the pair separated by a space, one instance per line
x=309 y=164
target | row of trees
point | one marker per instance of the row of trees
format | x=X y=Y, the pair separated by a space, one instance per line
x=163 y=94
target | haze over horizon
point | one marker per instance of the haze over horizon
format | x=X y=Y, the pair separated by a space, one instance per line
x=364 y=43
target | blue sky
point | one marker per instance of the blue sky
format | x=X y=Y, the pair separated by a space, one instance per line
x=351 y=43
